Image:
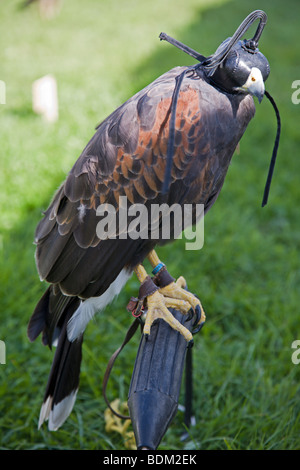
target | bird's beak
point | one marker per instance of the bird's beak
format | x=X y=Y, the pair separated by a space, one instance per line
x=255 y=84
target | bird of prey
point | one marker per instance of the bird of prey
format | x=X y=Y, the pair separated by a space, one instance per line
x=172 y=142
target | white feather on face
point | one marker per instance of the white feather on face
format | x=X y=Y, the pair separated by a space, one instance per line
x=255 y=84
x=88 y=308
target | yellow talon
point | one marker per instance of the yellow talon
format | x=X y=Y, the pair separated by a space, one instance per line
x=158 y=308
x=176 y=290
x=181 y=282
x=174 y=296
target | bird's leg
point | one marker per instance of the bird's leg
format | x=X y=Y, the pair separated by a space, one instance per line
x=158 y=304
x=163 y=292
x=175 y=290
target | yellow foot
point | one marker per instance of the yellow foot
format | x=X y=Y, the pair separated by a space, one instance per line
x=176 y=290
x=173 y=295
x=158 y=306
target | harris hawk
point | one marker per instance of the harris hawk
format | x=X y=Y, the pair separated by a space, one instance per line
x=171 y=143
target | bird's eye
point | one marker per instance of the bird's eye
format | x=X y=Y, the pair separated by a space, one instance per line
x=253 y=79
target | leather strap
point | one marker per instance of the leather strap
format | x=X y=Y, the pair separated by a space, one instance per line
x=136 y=305
x=163 y=278
x=132 y=329
x=147 y=288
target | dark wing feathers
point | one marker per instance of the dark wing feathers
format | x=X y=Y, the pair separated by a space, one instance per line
x=48 y=250
x=54 y=303
x=108 y=167
x=37 y=321
x=127 y=157
x=63 y=267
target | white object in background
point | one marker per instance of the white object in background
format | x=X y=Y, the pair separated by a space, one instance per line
x=44 y=98
x=49 y=8
x=2 y=92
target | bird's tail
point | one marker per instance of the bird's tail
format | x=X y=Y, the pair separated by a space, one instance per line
x=63 y=381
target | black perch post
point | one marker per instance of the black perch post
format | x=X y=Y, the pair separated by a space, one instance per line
x=156 y=381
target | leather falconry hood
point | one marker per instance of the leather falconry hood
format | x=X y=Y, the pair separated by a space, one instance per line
x=227 y=69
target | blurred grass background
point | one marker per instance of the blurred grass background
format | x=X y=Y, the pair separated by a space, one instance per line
x=247 y=274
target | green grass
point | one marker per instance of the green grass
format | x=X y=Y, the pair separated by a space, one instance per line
x=247 y=274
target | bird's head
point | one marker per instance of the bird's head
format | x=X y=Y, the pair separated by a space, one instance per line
x=237 y=66
x=244 y=70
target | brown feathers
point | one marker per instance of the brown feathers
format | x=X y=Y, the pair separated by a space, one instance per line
x=127 y=157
